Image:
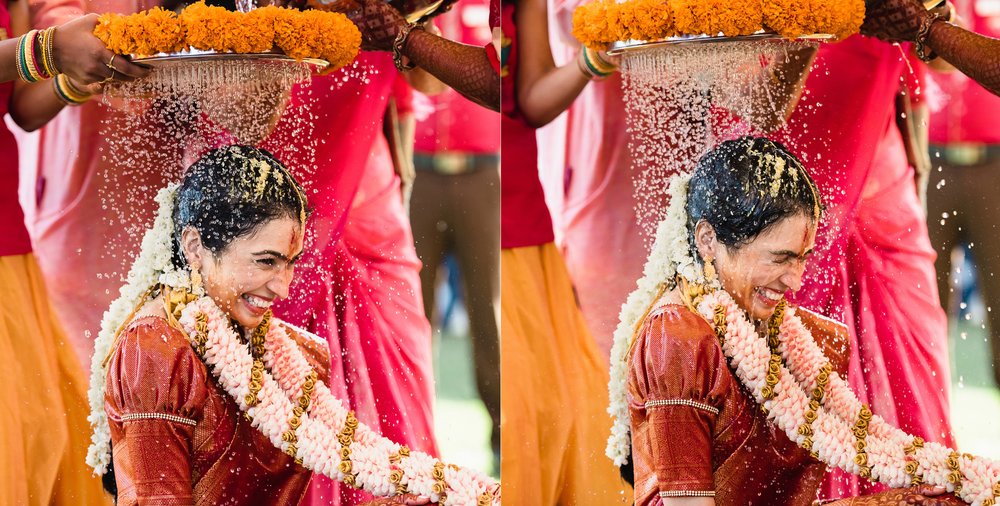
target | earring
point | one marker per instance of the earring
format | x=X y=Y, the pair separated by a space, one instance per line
x=709 y=270
x=196 y=287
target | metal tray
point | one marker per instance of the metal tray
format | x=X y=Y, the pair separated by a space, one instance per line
x=629 y=45
x=195 y=56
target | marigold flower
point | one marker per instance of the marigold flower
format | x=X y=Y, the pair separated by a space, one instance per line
x=599 y=23
x=316 y=34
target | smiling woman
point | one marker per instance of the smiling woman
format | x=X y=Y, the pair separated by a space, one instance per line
x=707 y=363
x=200 y=395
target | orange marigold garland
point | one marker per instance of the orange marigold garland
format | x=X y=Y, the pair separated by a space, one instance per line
x=712 y=17
x=793 y=18
x=150 y=32
x=653 y=19
x=299 y=34
x=599 y=23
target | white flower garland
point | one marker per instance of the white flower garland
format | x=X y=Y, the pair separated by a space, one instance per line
x=316 y=438
x=879 y=451
x=670 y=257
x=152 y=266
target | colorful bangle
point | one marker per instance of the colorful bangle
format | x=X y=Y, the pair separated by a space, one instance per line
x=67 y=93
x=22 y=71
x=400 y=43
x=48 y=55
x=32 y=53
x=594 y=65
x=25 y=58
x=599 y=61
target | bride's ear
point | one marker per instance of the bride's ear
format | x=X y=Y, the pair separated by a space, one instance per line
x=705 y=240
x=192 y=248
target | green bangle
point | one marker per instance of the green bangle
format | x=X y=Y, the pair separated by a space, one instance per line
x=591 y=67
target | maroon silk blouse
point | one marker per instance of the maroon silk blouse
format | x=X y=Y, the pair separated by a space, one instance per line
x=695 y=429
x=178 y=438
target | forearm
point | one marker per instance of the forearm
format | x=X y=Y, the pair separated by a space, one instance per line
x=33 y=105
x=464 y=68
x=551 y=94
x=8 y=69
x=975 y=55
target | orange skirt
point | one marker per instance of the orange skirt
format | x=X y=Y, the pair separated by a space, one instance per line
x=44 y=432
x=553 y=419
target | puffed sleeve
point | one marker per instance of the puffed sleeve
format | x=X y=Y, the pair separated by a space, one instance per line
x=156 y=390
x=831 y=336
x=315 y=349
x=678 y=382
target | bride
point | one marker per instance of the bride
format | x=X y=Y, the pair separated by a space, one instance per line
x=199 y=396
x=725 y=394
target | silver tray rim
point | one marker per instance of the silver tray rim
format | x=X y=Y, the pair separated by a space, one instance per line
x=621 y=47
x=195 y=56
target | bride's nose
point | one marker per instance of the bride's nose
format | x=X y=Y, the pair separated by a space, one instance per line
x=280 y=282
x=792 y=278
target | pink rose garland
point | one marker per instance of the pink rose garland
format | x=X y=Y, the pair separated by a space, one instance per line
x=373 y=463
x=888 y=450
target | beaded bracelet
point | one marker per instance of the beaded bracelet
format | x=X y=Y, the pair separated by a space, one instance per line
x=400 y=43
x=67 y=93
x=920 y=44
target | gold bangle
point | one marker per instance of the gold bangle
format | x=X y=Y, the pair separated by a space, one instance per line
x=44 y=57
x=48 y=53
x=67 y=92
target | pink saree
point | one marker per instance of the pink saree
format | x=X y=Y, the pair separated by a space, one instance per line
x=874 y=266
x=358 y=286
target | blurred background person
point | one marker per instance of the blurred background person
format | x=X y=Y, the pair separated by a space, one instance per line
x=455 y=207
x=963 y=212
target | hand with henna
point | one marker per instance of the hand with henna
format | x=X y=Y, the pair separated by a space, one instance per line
x=923 y=495
x=893 y=20
x=466 y=69
x=974 y=55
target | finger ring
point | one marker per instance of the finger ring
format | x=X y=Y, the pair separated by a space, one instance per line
x=111 y=62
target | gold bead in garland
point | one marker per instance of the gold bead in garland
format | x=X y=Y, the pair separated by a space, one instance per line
x=201 y=333
x=308 y=386
x=396 y=476
x=257 y=351
x=439 y=486
x=991 y=501
x=913 y=466
x=486 y=498
x=346 y=437
x=774 y=364
x=955 y=477
x=860 y=433
x=815 y=401
x=720 y=324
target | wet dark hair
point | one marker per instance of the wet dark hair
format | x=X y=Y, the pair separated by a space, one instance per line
x=231 y=192
x=744 y=186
